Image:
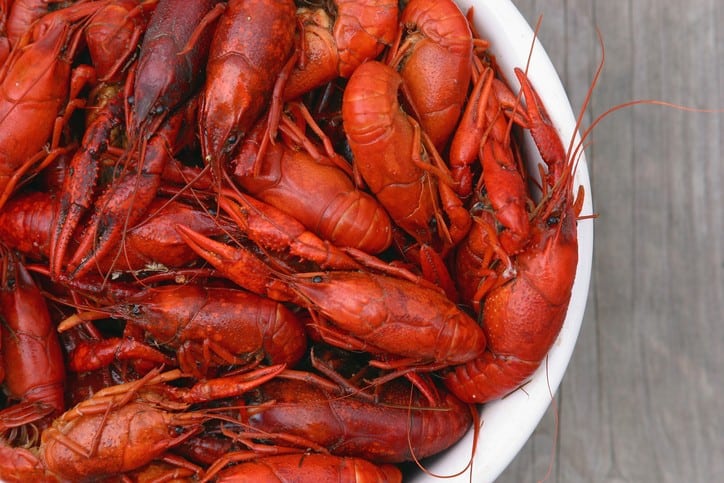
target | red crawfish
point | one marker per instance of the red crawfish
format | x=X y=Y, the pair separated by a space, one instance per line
x=501 y=203
x=22 y=14
x=397 y=425
x=127 y=199
x=275 y=230
x=31 y=354
x=395 y=159
x=251 y=45
x=523 y=316
x=124 y=427
x=36 y=83
x=4 y=40
x=166 y=74
x=311 y=467
x=503 y=176
x=390 y=315
x=207 y=327
x=338 y=211
x=485 y=121
x=336 y=44
x=76 y=194
x=435 y=61
x=156 y=94
x=502 y=211
x=154 y=244
x=113 y=34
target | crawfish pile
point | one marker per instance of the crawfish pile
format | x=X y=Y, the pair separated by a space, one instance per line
x=251 y=237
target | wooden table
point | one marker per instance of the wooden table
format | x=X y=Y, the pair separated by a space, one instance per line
x=643 y=398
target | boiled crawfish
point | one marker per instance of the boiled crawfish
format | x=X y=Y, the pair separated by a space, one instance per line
x=27 y=221
x=335 y=45
x=201 y=324
x=338 y=211
x=37 y=83
x=350 y=425
x=523 y=316
x=250 y=47
x=124 y=427
x=435 y=61
x=372 y=307
x=34 y=371
x=314 y=467
x=404 y=173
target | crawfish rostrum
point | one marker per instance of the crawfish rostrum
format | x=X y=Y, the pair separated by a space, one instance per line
x=252 y=238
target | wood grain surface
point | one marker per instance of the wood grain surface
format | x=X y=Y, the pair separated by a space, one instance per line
x=643 y=398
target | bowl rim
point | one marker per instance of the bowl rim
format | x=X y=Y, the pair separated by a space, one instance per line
x=509 y=422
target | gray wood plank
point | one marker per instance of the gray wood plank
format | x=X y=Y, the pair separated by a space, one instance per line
x=643 y=399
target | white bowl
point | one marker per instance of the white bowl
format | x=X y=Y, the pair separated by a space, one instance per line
x=509 y=422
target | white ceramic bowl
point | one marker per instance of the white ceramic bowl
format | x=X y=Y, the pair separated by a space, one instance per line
x=508 y=423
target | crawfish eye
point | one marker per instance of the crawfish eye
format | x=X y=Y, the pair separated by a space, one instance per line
x=135 y=310
x=231 y=141
x=553 y=220
x=317 y=279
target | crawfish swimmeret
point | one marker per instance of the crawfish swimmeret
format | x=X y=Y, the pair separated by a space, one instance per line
x=240 y=251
